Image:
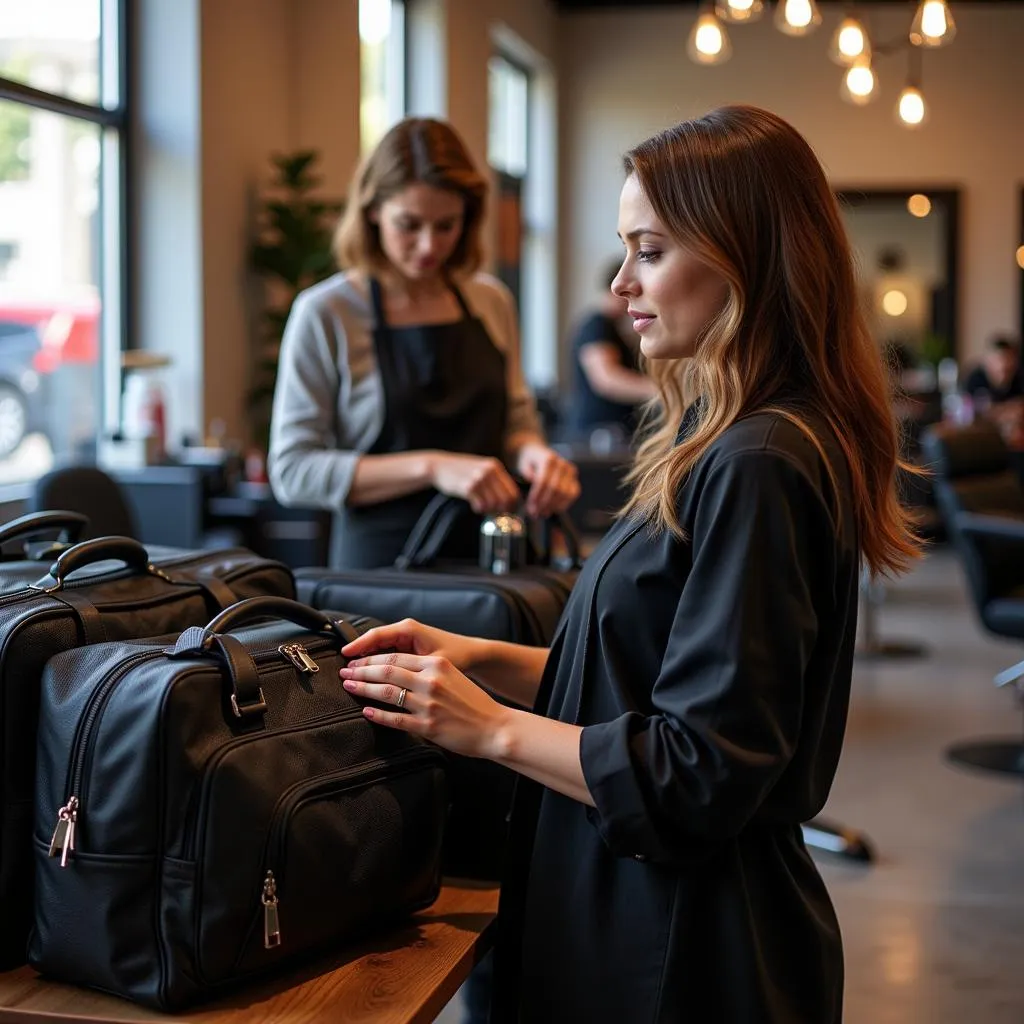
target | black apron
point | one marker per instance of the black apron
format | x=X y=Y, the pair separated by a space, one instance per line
x=444 y=388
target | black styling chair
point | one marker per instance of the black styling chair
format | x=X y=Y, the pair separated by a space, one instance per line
x=981 y=497
x=91 y=492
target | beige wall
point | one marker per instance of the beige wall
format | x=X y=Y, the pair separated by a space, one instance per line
x=282 y=74
x=246 y=115
x=626 y=76
x=325 y=79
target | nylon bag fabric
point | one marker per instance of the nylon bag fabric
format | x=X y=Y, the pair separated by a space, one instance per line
x=216 y=805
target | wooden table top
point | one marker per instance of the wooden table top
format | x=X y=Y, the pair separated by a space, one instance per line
x=404 y=977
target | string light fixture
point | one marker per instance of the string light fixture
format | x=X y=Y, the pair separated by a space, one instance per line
x=739 y=11
x=797 y=17
x=933 y=24
x=850 y=41
x=911 y=109
x=709 y=42
x=851 y=46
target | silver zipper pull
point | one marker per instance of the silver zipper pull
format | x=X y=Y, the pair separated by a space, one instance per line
x=63 y=841
x=299 y=657
x=271 y=924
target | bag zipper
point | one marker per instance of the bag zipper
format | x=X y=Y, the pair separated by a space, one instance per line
x=366 y=773
x=62 y=844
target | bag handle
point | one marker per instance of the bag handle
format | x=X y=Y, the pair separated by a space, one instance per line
x=438 y=519
x=253 y=608
x=121 y=549
x=246 y=696
x=71 y=526
x=567 y=528
x=431 y=531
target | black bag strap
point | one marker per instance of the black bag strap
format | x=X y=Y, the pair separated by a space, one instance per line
x=214 y=638
x=432 y=530
x=90 y=621
x=567 y=528
x=218 y=594
x=438 y=519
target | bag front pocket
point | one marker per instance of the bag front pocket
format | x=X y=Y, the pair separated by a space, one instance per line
x=342 y=854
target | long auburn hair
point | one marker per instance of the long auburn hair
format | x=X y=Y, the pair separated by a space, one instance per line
x=743 y=191
x=417 y=150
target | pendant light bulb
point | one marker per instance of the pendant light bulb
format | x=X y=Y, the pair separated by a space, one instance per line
x=933 y=24
x=739 y=11
x=860 y=83
x=911 y=109
x=849 y=42
x=797 y=17
x=709 y=42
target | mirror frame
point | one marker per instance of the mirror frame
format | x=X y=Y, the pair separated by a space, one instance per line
x=1020 y=269
x=947 y=313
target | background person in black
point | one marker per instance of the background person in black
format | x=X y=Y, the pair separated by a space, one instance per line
x=998 y=378
x=607 y=383
x=690 y=713
x=997 y=388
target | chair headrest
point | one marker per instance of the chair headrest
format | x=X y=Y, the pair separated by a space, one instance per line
x=959 y=451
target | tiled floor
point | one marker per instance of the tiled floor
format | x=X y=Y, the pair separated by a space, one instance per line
x=934 y=930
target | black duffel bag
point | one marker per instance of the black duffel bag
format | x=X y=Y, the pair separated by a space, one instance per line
x=31 y=543
x=214 y=808
x=522 y=606
x=102 y=589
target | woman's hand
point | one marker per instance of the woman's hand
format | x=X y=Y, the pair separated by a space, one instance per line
x=431 y=698
x=412 y=637
x=484 y=482
x=554 y=484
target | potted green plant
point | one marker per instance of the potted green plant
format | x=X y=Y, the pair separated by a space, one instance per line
x=291 y=251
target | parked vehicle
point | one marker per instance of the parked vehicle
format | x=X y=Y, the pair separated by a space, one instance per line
x=22 y=406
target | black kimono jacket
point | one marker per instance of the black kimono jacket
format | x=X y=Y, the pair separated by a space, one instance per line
x=711 y=676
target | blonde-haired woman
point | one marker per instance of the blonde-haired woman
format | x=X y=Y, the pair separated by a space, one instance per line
x=690 y=713
x=400 y=377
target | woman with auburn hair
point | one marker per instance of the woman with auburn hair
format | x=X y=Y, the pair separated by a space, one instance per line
x=400 y=376
x=690 y=713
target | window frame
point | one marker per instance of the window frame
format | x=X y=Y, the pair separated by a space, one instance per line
x=114 y=122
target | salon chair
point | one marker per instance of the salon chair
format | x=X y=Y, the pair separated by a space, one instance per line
x=981 y=498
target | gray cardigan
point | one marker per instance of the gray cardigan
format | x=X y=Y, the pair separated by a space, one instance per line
x=329 y=402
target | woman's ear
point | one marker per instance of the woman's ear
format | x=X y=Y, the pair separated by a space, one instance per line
x=373 y=215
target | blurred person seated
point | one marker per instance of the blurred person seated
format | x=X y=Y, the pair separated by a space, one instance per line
x=996 y=387
x=998 y=378
x=608 y=387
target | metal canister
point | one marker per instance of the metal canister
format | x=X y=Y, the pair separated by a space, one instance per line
x=502 y=543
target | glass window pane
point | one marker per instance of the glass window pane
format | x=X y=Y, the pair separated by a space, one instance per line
x=52 y=45
x=382 y=68
x=508 y=116
x=49 y=297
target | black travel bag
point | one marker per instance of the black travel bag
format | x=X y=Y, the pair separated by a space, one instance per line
x=101 y=589
x=522 y=606
x=30 y=543
x=215 y=805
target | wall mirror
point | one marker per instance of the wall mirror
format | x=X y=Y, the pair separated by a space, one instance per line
x=906 y=243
